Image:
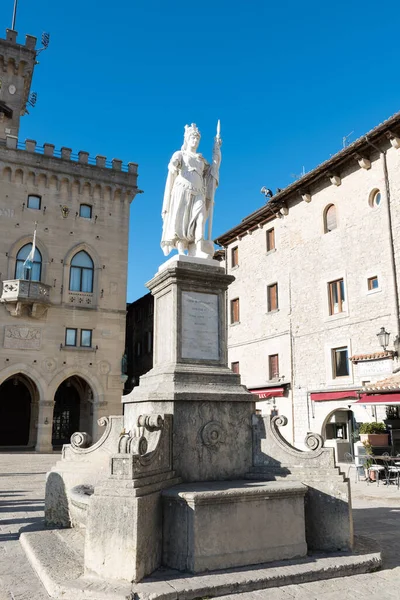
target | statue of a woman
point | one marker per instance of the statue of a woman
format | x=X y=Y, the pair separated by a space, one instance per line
x=189 y=197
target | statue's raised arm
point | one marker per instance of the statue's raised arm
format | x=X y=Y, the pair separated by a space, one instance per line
x=189 y=197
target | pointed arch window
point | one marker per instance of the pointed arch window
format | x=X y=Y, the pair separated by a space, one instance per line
x=81 y=273
x=21 y=272
x=330 y=221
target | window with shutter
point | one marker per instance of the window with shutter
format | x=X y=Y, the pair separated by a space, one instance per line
x=330 y=218
x=235 y=257
x=235 y=367
x=270 y=240
x=273 y=366
x=272 y=296
x=235 y=310
x=337 y=299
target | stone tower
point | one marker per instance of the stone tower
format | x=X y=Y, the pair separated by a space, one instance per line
x=17 y=63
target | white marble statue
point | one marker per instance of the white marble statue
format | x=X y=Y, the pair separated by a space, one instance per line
x=189 y=197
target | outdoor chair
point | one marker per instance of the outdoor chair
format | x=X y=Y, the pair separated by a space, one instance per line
x=375 y=468
x=394 y=470
x=349 y=460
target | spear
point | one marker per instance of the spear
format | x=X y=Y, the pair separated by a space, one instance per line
x=217 y=141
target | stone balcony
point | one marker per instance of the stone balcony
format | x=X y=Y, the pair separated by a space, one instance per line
x=25 y=298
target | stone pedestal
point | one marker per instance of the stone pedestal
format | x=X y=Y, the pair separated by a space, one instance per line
x=230 y=524
x=211 y=410
x=124 y=522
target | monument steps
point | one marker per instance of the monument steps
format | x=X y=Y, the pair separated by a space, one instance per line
x=57 y=558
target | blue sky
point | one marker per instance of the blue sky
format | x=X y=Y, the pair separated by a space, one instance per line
x=287 y=79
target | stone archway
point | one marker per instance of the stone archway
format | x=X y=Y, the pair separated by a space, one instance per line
x=17 y=396
x=73 y=410
x=337 y=431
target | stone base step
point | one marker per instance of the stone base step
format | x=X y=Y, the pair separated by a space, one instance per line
x=57 y=557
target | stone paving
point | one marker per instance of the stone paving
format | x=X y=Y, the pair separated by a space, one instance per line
x=22 y=476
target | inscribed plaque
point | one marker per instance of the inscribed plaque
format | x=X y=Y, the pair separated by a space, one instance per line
x=200 y=326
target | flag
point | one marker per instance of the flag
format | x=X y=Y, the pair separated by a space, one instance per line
x=28 y=264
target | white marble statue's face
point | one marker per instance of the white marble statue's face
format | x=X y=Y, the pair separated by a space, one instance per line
x=193 y=141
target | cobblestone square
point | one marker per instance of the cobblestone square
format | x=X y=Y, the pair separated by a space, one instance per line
x=22 y=479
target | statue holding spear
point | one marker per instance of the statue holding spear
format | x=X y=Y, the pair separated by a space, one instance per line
x=189 y=197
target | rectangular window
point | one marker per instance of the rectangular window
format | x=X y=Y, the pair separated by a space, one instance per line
x=138 y=348
x=373 y=283
x=149 y=337
x=34 y=202
x=85 y=211
x=270 y=240
x=235 y=310
x=235 y=257
x=337 y=300
x=235 y=367
x=70 y=337
x=86 y=338
x=340 y=362
x=273 y=365
x=272 y=295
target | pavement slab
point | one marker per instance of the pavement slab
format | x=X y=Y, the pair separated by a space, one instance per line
x=22 y=484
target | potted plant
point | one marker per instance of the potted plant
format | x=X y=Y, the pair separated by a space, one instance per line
x=392 y=417
x=368 y=461
x=374 y=434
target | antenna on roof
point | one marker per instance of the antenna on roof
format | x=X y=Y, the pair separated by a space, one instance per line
x=14 y=17
x=299 y=175
x=345 y=139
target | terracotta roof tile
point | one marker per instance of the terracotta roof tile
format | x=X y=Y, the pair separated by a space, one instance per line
x=372 y=356
x=390 y=384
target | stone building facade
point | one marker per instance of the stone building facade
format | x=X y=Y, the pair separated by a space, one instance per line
x=62 y=316
x=317 y=270
x=139 y=339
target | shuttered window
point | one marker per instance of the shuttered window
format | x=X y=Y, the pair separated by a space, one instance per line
x=235 y=367
x=330 y=218
x=272 y=293
x=235 y=310
x=270 y=240
x=337 y=298
x=273 y=365
x=235 y=257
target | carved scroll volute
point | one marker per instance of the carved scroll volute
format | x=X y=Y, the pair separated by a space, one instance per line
x=80 y=439
x=314 y=441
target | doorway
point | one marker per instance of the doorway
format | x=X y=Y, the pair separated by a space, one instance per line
x=72 y=410
x=15 y=411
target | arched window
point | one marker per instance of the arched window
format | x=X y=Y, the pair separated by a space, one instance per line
x=21 y=272
x=330 y=222
x=81 y=274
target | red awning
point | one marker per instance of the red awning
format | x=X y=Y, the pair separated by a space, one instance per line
x=379 y=399
x=325 y=396
x=272 y=392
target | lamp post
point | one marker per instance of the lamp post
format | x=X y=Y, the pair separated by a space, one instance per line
x=383 y=337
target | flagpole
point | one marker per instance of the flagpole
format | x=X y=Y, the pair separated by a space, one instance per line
x=14 y=18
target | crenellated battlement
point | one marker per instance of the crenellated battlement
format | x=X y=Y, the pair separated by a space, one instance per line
x=44 y=166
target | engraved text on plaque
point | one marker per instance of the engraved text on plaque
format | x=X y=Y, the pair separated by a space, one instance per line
x=200 y=330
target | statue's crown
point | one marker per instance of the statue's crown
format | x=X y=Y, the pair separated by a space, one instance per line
x=189 y=129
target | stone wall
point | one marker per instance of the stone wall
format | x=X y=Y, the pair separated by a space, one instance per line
x=306 y=259
x=64 y=184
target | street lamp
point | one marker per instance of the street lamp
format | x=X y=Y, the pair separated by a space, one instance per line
x=383 y=337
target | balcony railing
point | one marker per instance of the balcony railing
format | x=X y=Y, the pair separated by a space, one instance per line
x=20 y=293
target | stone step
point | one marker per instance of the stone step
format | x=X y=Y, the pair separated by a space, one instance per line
x=57 y=557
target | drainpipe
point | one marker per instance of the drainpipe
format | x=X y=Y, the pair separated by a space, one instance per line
x=392 y=253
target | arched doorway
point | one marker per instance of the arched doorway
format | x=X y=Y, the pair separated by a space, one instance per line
x=15 y=410
x=72 y=410
x=338 y=430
